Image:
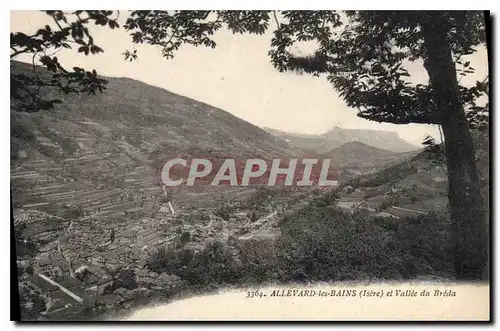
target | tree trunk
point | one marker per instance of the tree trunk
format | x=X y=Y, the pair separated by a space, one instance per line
x=469 y=229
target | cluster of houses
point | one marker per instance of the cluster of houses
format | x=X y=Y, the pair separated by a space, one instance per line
x=353 y=205
x=374 y=206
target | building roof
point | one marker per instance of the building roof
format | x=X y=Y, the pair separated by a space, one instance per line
x=385 y=214
x=367 y=205
x=348 y=204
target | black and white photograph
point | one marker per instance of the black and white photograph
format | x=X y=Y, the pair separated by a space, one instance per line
x=250 y=165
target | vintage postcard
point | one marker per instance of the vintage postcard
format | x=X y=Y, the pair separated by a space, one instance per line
x=250 y=165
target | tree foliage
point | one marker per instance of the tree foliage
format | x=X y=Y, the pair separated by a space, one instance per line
x=434 y=152
x=362 y=53
x=72 y=32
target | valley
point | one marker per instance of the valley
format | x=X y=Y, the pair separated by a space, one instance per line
x=91 y=215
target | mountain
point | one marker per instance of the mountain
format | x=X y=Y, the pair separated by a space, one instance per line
x=388 y=140
x=355 y=153
x=418 y=182
x=92 y=148
x=322 y=143
x=145 y=118
x=355 y=158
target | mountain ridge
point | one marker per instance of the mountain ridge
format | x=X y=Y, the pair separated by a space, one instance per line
x=130 y=107
x=105 y=152
x=337 y=136
x=356 y=157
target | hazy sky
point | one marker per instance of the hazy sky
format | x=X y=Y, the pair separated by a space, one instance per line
x=236 y=76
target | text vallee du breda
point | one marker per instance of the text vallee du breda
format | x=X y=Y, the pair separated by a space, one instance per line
x=244 y=172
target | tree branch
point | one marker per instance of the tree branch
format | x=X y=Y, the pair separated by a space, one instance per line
x=276 y=19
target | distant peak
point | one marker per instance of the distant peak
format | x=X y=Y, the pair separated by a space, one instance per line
x=355 y=142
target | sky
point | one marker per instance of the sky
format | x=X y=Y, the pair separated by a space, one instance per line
x=236 y=76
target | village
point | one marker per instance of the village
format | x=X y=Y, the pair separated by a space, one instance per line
x=85 y=262
x=82 y=255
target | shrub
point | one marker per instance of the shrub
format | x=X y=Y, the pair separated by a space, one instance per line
x=72 y=212
x=391 y=174
x=47 y=151
x=19 y=131
x=259 y=260
x=387 y=223
x=316 y=192
x=214 y=265
x=426 y=239
x=330 y=197
x=25 y=246
x=14 y=150
x=196 y=217
x=320 y=244
x=260 y=198
x=253 y=216
x=68 y=146
x=126 y=279
x=324 y=244
x=163 y=260
x=32 y=305
x=185 y=238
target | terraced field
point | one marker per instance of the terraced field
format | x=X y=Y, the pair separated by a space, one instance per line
x=46 y=185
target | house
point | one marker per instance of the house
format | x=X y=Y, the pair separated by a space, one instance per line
x=404 y=212
x=22 y=154
x=348 y=189
x=366 y=206
x=167 y=208
x=357 y=193
x=377 y=201
x=62 y=299
x=348 y=205
x=394 y=189
x=439 y=179
x=351 y=205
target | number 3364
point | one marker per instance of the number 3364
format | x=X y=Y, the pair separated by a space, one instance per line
x=255 y=294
